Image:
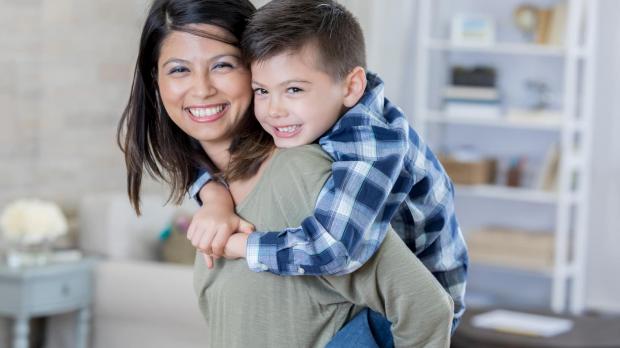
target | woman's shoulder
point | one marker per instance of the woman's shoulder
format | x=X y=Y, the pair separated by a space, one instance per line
x=301 y=157
x=299 y=173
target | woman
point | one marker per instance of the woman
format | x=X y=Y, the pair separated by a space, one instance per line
x=190 y=107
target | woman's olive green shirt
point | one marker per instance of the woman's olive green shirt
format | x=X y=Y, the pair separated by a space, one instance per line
x=248 y=309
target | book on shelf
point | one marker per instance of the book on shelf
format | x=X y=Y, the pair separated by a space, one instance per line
x=471 y=109
x=530 y=250
x=522 y=323
x=472 y=93
x=546 y=179
x=552 y=25
x=544 y=116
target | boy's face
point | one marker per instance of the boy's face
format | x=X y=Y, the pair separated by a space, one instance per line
x=294 y=100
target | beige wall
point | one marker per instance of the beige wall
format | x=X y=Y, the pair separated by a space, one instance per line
x=67 y=68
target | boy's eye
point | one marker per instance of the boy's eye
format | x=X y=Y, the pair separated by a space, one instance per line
x=178 y=69
x=294 y=90
x=260 y=91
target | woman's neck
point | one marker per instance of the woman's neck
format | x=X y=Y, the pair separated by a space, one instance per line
x=239 y=189
x=218 y=153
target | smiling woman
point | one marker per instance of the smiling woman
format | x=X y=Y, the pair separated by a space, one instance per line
x=190 y=103
x=204 y=87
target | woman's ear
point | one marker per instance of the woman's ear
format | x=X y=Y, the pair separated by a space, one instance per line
x=355 y=85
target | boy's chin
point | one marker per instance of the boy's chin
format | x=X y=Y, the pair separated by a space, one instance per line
x=287 y=143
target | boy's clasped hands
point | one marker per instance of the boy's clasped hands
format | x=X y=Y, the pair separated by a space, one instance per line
x=216 y=231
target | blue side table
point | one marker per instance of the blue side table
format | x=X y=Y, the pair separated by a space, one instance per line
x=45 y=291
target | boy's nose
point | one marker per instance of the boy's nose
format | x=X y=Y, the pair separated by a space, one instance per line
x=276 y=110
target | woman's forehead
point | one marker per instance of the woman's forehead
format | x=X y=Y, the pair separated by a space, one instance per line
x=189 y=44
x=209 y=31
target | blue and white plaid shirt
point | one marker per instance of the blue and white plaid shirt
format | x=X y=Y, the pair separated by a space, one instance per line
x=382 y=173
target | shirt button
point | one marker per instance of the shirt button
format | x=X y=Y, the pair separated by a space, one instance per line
x=301 y=270
x=264 y=267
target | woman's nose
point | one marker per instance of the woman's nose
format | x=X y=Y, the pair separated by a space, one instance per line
x=203 y=87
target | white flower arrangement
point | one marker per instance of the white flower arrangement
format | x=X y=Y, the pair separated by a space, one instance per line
x=32 y=221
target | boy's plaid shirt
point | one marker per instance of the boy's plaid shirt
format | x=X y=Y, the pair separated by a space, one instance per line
x=382 y=173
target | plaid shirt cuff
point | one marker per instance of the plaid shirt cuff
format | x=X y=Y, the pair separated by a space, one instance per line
x=194 y=190
x=261 y=256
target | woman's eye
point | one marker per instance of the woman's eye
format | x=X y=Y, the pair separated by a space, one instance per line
x=222 y=65
x=294 y=90
x=260 y=91
x=178 y=69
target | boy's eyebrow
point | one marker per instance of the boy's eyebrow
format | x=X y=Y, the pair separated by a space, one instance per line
x=179 y=60
x=283 y=82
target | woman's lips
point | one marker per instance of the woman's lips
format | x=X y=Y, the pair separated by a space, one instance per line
x=208 y=113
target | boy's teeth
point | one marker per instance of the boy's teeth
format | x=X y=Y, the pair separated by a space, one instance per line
x=288 y=129
x=206 y=112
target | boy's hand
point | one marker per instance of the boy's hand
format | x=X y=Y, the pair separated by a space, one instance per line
x=236 y=245
x=212 y=226
x=215 y=222
x=235 y=249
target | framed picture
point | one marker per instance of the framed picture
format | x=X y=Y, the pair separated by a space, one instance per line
x=473 y=29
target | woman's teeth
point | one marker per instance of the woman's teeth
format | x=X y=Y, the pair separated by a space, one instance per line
x=288 y=129
x=206 y=112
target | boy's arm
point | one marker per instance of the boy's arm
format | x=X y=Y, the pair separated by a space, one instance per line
x=396 y=284
x=203 y=178
x=353 y=210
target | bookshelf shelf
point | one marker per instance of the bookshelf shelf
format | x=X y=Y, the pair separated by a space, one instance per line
x=504 y=48
x=537 y=272
x=513 y=76
x=507 y=193
x=436 y=116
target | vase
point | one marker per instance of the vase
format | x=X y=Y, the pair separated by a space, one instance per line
x=21 y=254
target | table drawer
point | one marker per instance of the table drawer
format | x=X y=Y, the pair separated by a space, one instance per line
x=58 y=291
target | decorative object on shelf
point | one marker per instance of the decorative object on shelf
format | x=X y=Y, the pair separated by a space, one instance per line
x=174 y=245
x=467 y=167
x=472 y=93
x=473 y=29
x=516 y=171
x=30 y=226
x=526 y=18
x=542 y=94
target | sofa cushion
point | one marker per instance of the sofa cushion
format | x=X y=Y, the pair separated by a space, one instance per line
x=108 y=225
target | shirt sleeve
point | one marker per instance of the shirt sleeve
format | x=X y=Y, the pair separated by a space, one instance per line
x=203 y=178
x=353 y=209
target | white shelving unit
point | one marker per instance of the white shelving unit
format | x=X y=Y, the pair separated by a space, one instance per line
x=565 y=210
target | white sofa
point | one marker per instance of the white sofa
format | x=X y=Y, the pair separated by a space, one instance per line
x=138 y=302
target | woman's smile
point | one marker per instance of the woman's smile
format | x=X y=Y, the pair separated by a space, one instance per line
x=207 y=113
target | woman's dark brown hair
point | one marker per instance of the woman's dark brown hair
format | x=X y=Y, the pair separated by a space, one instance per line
x=149 y=139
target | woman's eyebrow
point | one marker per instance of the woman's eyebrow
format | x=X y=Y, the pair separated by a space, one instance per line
x=184 y=61
x=175 y=60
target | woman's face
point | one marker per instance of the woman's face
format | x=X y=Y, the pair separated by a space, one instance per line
x=203 y=84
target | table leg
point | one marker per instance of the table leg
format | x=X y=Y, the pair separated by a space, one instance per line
x=83 y=322
x=20 y=332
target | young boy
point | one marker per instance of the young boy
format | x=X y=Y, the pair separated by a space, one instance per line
x=308 y=75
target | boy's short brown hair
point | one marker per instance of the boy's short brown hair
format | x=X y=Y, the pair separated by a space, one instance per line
x=289 y=25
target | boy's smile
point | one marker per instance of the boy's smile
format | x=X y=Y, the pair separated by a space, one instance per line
x=295 y=101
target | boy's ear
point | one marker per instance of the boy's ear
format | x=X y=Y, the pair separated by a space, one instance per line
x=355 y=85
